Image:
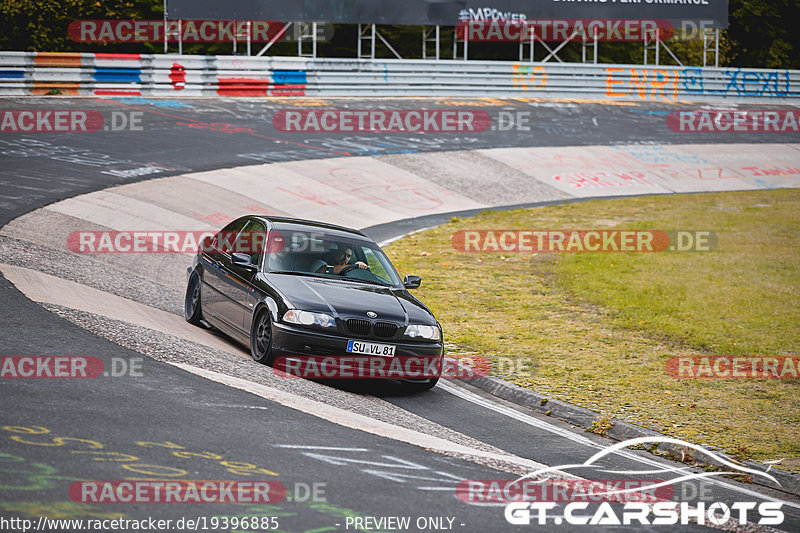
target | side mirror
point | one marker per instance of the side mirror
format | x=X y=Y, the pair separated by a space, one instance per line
x=412 y=282
x=244 y=261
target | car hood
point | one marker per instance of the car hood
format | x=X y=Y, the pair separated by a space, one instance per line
x=346 y=299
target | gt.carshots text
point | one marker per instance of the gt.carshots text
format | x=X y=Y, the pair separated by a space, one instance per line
x=643 y=513
x=537 y=499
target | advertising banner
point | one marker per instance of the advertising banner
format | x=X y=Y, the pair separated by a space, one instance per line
x=711 y=13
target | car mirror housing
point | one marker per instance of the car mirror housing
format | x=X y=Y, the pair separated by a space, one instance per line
x=244 y=261
x=412 y=282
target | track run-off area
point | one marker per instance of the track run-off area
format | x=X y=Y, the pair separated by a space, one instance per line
x=183 y=403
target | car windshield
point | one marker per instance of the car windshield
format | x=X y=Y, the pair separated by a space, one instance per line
x=317 y=253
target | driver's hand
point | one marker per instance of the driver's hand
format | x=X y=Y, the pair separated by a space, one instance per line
x=361 y=264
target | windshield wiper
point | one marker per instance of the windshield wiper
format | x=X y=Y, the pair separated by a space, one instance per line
x=294 y=272
x=379 y=284
x=329 y=276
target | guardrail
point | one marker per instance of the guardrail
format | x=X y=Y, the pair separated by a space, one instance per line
x=90 y=74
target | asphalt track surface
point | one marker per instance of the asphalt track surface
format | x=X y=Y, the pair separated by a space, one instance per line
x=171 y=424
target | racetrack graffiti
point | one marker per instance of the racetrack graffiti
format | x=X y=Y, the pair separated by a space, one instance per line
x=668 y=84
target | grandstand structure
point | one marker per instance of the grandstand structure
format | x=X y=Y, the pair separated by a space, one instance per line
x=682 y=19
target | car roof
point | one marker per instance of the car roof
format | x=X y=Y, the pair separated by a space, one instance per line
x=286 y=223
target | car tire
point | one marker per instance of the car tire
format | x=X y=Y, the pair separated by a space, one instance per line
x=420 y=386
x=261 y=338
x=193 y=307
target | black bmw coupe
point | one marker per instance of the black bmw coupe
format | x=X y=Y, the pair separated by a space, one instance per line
x=316 y=300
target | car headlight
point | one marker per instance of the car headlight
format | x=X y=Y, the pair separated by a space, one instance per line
x=307 y=318
x=418 y=331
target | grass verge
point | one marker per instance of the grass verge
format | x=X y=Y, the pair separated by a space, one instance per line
x=600 y=327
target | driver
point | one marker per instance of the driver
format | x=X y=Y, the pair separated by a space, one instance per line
x=341 y=260
x=279 y=258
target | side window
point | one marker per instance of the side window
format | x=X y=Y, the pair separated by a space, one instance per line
x=375 y=266
x=278 y=248
x=224 y=240
x=252 y=240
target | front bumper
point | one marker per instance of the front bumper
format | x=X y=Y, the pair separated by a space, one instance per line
x=319 y=354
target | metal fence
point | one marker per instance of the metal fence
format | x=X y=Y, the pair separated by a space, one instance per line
x=88 y=74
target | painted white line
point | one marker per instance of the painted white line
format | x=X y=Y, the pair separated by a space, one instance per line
x=360 y=422
x=580 y=439
x=329 y=448
x=390 y=241
x=7 y=183
x=513 y=413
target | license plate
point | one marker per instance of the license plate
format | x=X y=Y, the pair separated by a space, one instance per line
x=370 y=348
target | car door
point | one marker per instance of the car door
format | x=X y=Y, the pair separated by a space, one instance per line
x=220 y=292
x=243 y=292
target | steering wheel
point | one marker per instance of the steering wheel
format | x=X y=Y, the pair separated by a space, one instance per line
x=348 y=268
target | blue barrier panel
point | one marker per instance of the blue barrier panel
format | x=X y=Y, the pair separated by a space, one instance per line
x=289 y=76
x=118 y=75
